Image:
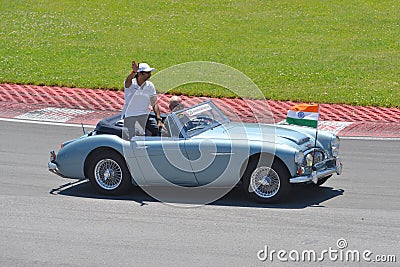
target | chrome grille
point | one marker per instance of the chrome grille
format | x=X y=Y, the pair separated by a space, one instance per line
x=314 y=156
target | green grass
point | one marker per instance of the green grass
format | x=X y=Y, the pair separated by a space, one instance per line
x=331 y=51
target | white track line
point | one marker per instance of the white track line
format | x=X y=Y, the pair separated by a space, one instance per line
x=92 y=127
x=47 y=123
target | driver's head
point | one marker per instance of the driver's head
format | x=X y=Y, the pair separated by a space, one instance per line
x=175 y=103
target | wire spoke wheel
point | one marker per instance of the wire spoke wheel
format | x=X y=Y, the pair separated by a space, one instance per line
x=264 y=182
x=108 y=174
x=267 y=180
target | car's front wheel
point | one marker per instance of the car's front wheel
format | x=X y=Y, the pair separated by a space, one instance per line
x=108 y=173
x=267 y=183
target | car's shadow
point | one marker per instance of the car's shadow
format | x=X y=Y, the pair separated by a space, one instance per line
x=301 y=197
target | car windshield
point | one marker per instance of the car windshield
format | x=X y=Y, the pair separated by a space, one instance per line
x=199 y=118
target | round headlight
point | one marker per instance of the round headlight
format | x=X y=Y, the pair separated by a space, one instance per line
x=335 y=141
x=335 y=144
x=299 y=157
x=310 y=160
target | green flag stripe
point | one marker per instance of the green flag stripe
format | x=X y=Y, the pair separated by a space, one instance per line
x=302 y=122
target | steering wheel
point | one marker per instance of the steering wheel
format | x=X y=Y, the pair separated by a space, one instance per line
x=198 y=123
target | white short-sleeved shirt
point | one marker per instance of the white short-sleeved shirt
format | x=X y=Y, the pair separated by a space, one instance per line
x=137 y=98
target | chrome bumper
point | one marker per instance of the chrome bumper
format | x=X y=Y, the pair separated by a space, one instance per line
x=53 y=168
x=316 y=175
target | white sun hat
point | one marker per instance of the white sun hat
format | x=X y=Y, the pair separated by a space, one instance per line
x=144 y=67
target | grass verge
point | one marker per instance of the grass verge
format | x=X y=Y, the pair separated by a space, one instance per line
x=311 y=51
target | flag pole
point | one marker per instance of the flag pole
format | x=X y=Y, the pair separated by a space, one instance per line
x=315 y=143
x=315 y=147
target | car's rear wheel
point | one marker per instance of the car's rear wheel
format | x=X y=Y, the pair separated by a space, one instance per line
x=108 y=173
x=267 y=183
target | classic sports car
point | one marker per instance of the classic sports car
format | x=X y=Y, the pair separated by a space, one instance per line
x=201 y=148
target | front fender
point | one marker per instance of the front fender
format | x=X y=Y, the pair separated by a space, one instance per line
x=284 y=152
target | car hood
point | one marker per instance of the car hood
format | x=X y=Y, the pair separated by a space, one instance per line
x=258 y=132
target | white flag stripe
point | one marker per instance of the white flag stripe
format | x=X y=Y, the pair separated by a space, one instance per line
x=305 y=115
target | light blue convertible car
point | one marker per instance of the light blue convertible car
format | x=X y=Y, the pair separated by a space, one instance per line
x=200 y=148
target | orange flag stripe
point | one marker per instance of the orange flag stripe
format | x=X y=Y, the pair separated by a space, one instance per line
x=305 y=108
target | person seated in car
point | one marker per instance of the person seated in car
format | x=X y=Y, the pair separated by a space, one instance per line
x=175 y=104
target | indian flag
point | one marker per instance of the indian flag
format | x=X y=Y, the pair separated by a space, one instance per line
x=304 y=114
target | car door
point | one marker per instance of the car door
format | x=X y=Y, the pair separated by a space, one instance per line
x=162 y=160
x=212 y=160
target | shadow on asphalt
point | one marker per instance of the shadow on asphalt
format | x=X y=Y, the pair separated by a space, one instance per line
x=302 y=196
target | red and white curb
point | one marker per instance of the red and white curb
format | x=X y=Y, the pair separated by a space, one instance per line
x=78 y=116
x=86 y=106
x=333 y=126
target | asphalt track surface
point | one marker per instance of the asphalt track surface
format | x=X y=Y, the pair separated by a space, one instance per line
x=50 y=221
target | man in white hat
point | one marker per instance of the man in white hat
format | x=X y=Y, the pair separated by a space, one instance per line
x=139 y=93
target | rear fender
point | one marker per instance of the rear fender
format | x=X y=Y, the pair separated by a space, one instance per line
x=72 y=157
